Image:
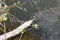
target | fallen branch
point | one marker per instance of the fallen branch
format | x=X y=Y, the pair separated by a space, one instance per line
x=16 y=31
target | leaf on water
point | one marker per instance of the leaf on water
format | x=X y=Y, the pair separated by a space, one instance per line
x=3 y=17
x=20 y=30
x=35 y=26
x=4 y=14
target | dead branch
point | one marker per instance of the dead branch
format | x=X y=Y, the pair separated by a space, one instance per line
x=16 y=31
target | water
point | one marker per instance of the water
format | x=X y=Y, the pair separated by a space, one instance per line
x=49 y=24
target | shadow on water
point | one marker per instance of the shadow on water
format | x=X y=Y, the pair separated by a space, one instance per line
x=42 y=33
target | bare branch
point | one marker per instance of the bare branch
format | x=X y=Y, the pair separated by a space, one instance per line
x=16 y=31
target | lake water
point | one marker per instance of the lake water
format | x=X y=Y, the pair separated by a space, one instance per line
x=49 y=22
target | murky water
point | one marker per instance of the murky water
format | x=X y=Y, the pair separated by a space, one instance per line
x=49 y=24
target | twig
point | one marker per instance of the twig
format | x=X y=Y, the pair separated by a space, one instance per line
x=4 y=3
x=15 y=17
x=5 y=31
x=21 y=36
x=24 y=32
x=10 y=20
